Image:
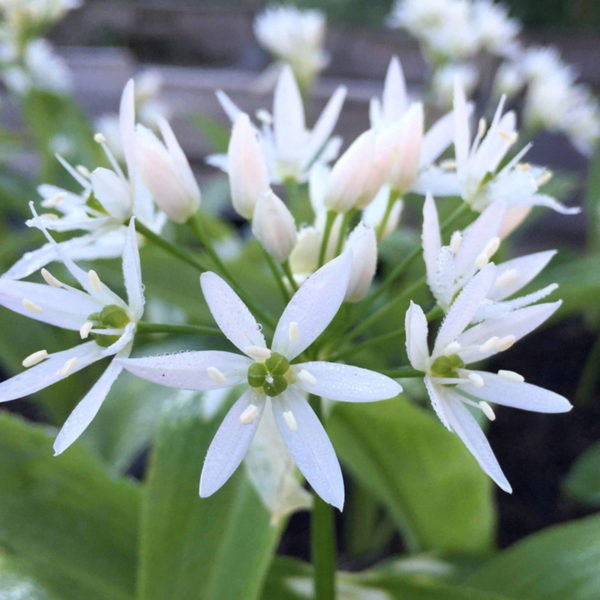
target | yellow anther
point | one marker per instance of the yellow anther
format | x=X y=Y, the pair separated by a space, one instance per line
x=32 y=306
x=35 y=358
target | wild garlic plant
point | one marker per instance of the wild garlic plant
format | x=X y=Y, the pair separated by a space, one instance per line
x=321 y=217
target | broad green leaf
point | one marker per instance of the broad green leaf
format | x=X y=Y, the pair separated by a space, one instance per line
x=425 y=477
x=191 y=547
x=291 y=579
x=583 y=480
x=65 y=521
x=556 y=564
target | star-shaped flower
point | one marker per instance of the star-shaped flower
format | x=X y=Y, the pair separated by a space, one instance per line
x=96 y=312
x=272 y=379
x=451 y=385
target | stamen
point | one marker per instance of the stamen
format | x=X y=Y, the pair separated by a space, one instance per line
x=507 y=278
x=544 y=178
x=487 y=252
x=84 y=330
x=455 y=242
x=448 y=165
x=83 y=171
x=249 y=415
x=511 y=137
x=257 y=352
x=48 y=216
x=32 y=306
x=476 y=379
x=482 y=126
x=264 y=116
x=68 y=367
x=35 y=358
x=94 y=281
x=452 y=348
x=55 y=200
x=290 y=419
x=100 y=138
x=505 y=343
x=523 y=167
x=487 y=410
x=511 y=376
x=489 y=344
x=293 y=331
x=50 y=279
x=306 y=377
x=216 y=375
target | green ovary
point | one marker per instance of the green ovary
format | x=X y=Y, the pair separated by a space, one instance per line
x=446 y=366
x=110 y=317
x=272 y=375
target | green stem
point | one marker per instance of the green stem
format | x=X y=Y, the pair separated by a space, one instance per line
x=331 y=215
x=168 y=247
x=289 y=274
x=277 y=276
x=344 y=227
x=388 y=210
x=589 y=374
x=322 y=542
x=402 y=372
x=145 y=327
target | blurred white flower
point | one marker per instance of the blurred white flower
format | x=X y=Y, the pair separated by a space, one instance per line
x=491 y=23
x=444 y=78
x=452 y=386
x=273 y=384
x=294 y=37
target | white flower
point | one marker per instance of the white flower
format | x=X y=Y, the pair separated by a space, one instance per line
x=96 y=312
x=362 y=242
x=444 y=78
x=450 y=268
x=496 y=31
x=289 y=148
x=102 y=209
x=452 y=386
x=295 y=37
x=248 y=176
x=274 y=384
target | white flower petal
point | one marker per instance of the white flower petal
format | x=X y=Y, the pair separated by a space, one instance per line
x=526 y=396
x=229 y=445
x=477 y=236
x=288 y=116
x=59 y=306
x=437 y=139
x=526 y=268
x=464 y=307
x=49 y=371
x=437 y=395
x=127 y=126
x=310 y=447
x=394 y=99
x=189 y=370
x=231 y=314
x=227 y=104
x=438 y=182
x=86 y=410
x=496 y=310
x=545 y=200
x=462 y=134
x=132 y=273
x=313 y=306
x=430 y=238
x=416 y=337
x=467 y=428
x=346 y=383
x=518 y=323
x=113 y=192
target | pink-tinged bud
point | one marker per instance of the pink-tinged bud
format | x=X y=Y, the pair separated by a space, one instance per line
x=274 y=226
x=513 y=217
x=363 y=244
x=165 y=171
x=408 y=135
x=248 y=176
x=350 y=175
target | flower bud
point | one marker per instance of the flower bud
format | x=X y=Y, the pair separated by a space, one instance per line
x=248 y=176
x=407 y=150
x=304 y=259
x=165 y=171
x=363 y=244
x=375 y=212
x=273 y=225
x=350 y=174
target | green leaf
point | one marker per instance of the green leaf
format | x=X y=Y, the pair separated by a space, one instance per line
x=423 y=474
x=583 y=480
x=64 y=520
x=555 y=564
x=593 y=203
x=291 y=579
x=17 y=584
x=191 y=547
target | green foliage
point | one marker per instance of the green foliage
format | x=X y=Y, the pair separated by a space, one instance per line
x=63 y=521
x=583 y=480
x=425 y=477
x=555 y=564
x=215 y=548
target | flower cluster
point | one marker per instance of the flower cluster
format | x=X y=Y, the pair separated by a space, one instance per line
x=320 y=242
